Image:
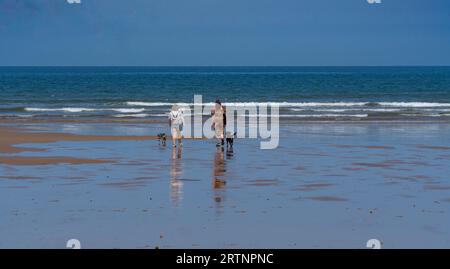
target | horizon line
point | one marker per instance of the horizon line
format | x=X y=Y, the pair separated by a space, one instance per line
x=231 y=66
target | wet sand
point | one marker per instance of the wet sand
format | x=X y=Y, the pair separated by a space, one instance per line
x=325 y=186
x=11 y=136
x=19 y=160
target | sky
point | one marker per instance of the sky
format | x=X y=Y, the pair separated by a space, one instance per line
x=224 y=32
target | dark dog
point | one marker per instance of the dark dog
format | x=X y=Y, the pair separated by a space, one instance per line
x=162 y=138
x=230 y=139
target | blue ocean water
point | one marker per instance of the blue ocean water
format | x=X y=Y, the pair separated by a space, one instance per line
x=301 y=92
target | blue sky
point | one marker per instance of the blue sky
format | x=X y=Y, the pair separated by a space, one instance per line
x=224 y=32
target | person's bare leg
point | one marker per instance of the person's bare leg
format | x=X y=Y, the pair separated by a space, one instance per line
x=174 y=140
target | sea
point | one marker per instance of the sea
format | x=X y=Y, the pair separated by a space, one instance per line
x=302 y=93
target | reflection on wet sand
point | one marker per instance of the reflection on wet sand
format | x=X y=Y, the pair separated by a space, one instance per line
x=176 y=172
x=219 y=173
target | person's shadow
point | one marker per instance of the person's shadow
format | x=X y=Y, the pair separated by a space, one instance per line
x=176 y=172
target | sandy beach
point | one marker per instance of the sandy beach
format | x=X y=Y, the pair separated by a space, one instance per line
x=328 y=185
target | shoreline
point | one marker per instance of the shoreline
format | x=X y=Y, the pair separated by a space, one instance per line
x=282 y=121
x=13 y=136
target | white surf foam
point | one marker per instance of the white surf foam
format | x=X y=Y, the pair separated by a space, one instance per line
x=131 y=115
x=347 y=110
x=267 y=116
x=414 y=104
x=326 y=116
x=82 y=109
x=129 y=110
x=67 y=109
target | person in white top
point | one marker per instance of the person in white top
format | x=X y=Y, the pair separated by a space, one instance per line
x=176 y=121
